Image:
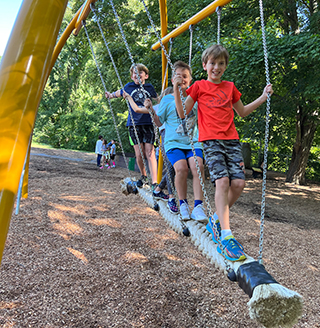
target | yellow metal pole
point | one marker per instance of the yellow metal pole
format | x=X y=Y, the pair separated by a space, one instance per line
x=23 y=72
x=164 y=31
x=204 y=13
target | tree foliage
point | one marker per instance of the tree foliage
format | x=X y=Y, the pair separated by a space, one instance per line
x=74 y=111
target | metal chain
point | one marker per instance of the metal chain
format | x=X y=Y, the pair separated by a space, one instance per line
x=266 y=139
x=105 y=89
x=209 y=208
x=157 y=34
x=137 y=73
x=166 y=72
x=218 y=10
x=190 y=48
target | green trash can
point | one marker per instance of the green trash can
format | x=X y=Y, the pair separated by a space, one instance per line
x=132 y=163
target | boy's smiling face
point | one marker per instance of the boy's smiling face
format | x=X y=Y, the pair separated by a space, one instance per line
x=143 y=76
x=184 y=76
x=215 y=68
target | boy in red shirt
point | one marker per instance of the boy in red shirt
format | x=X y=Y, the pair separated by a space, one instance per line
x=216 y=101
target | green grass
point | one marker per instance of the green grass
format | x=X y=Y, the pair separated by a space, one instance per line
x=38 y=145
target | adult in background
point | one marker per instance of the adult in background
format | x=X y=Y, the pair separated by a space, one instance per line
x=98 y=150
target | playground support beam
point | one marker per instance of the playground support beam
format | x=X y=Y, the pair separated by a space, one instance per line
x=201 y=15
x=24 y=70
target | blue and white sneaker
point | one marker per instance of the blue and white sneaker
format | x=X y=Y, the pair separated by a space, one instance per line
x=172 y=206
x=210 y=227
x=232 y=250
x=160 y=196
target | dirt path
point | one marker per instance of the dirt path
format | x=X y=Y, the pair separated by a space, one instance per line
x=81 y=254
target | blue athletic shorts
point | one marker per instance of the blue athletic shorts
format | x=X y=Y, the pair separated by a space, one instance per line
x=176 y=154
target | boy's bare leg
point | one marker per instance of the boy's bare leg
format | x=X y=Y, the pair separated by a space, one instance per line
x=235 y=190
x=181 y=169
x=222 y=202
x=197 y=190
x=139 y=158
x=152 y=161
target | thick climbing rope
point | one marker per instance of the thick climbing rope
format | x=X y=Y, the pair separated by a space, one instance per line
x=105 y=89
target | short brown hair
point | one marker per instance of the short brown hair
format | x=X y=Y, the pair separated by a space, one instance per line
x=181 y=64
x=140 y=68
x=215 y=51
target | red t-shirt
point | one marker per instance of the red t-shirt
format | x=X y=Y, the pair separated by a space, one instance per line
x=215 y=112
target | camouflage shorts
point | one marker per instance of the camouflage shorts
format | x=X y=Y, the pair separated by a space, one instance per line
x=224 y=159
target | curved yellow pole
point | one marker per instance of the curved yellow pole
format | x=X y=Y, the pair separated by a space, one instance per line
x=23 y=72
x=204 y=13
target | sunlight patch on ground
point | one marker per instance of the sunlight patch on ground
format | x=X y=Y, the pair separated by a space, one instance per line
x=274 y=197
x=108 y=192
x=80 y=198
x=9 y=306
x=314 y=269
x=109 y=222
x=68 y=209
x=64 y=224
x=78 y=255
x=172 y=257
x=135 y=257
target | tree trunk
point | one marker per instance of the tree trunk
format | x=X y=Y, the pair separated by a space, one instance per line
x=306 y=129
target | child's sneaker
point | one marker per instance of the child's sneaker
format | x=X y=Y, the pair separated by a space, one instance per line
x=160 y=195
x=172 y=206
x=210 y=228
x=141 y=181
x=198 y=214
x=101 y=167
x=185 y=212
x=232 y=249
x=113 y=166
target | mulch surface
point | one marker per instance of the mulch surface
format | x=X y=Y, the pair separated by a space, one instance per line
x=82 y=254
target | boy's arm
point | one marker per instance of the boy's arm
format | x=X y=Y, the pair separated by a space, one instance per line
x=111 y=95
x=148 y=106
x=133 y=105
x=243 y=111
x=176 y=92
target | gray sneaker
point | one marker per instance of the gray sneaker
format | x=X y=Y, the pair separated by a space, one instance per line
x=198 y=214
x=185 y=212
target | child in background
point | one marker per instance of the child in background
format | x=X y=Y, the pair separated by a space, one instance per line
x=142 y=121
x=105 y=155
x=216 y=100
x=98 y=150
x=113 y=152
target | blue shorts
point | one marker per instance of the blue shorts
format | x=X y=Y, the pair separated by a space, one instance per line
x=176 y=154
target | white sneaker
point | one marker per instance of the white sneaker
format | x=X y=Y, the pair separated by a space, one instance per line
x=198 y=214
x=185 y=212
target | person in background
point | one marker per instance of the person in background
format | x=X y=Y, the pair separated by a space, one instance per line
x=98 y=150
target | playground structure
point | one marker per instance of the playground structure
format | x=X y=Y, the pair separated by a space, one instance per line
x=25 y=67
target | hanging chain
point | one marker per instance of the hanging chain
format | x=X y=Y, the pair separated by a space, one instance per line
x=190 y=48
x=228 y=268
x=105 y=89
x=266 y=139
x=130 y=110
x=218 y=10
x=166 y=72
